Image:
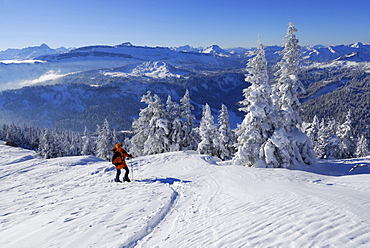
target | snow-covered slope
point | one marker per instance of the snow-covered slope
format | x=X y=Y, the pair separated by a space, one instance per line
x=150 y=69
x=180 y=199
x=14 y=74
x=328 y=53
x=85 y=99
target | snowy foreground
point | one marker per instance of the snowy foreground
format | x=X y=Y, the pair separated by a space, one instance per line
x=180 y=199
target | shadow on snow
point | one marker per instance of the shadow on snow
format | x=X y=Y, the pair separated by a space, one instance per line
x=168 y=180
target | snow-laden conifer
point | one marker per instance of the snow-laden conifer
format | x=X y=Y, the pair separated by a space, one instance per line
x=14 y=136
x=257 y=125
x=208 y=132
x=189 y=138
x=75 y=144
x=312 y=131
x=175 y=124
x=88 y=146
x=333 y=148
x=157 y=140
x=285 y=91
x=362 y=147
x=46 y=145
x=105 y=141
x=285 y=96
x=226 y=135
x=345 y=134
x=140 y=127
x=277 y=151
x=326 y=131
x=58 y=145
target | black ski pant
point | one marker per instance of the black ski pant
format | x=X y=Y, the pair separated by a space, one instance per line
x=119 y=173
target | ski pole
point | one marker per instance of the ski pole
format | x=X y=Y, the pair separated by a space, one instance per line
x=132 y=170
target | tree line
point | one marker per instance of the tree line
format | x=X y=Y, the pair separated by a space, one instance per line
x=52 y=143
x=332 y=139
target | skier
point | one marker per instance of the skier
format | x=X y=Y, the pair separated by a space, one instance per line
x=119 y=162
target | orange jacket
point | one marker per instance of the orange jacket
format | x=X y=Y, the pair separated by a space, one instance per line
x=119 y=157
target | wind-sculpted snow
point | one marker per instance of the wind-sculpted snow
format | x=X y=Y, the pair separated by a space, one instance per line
x=180 y=199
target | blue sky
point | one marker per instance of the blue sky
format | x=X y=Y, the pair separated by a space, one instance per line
x=231 y=23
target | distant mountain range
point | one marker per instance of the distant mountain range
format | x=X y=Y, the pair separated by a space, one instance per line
x=30 y=52
x=317 y=53
x=74 y=88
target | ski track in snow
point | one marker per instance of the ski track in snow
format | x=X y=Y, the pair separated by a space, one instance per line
x=179 y=199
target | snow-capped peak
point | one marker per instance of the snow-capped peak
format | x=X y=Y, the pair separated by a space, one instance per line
x=187 y=48
x=214 y=49
x=125 y=44
x=357 y=45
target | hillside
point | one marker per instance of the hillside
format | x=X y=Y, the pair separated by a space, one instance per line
x=180 y=199
x=85 y=85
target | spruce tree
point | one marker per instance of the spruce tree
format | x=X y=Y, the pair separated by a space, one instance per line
x=175 y=124
x=208 y=132
x=257 y=125
x=189 y=138
x=46 y=146
x=106 y=140
x=140 y=127
x=326 y=131
x=157 y=140
x=362 y=147
x=345 y=134
x=285 y=96
x=285 y=91
x=312 y=131
x=333 y=148
x=226 y=135
x=88 y=146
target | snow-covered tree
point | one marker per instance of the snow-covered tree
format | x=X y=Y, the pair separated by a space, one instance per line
x=226 y=135
x=285 y=96
x=47 y=146
x=75 y=144
x=175 y=124
x=208 y=132
x=362 y=147
x=31 y=136
x=106 y=140
x=257 y=125
x=14 y=136
x=334 y=148
x=345 y=134
x=189 y=138
x=277 y=151
x=151 y=130
x=3 y=132
x=285 y=91
x=157 y=140
x=88 y=146
x=140 y=127
x=312 y=130
x=58 y=144
x=325 y=132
